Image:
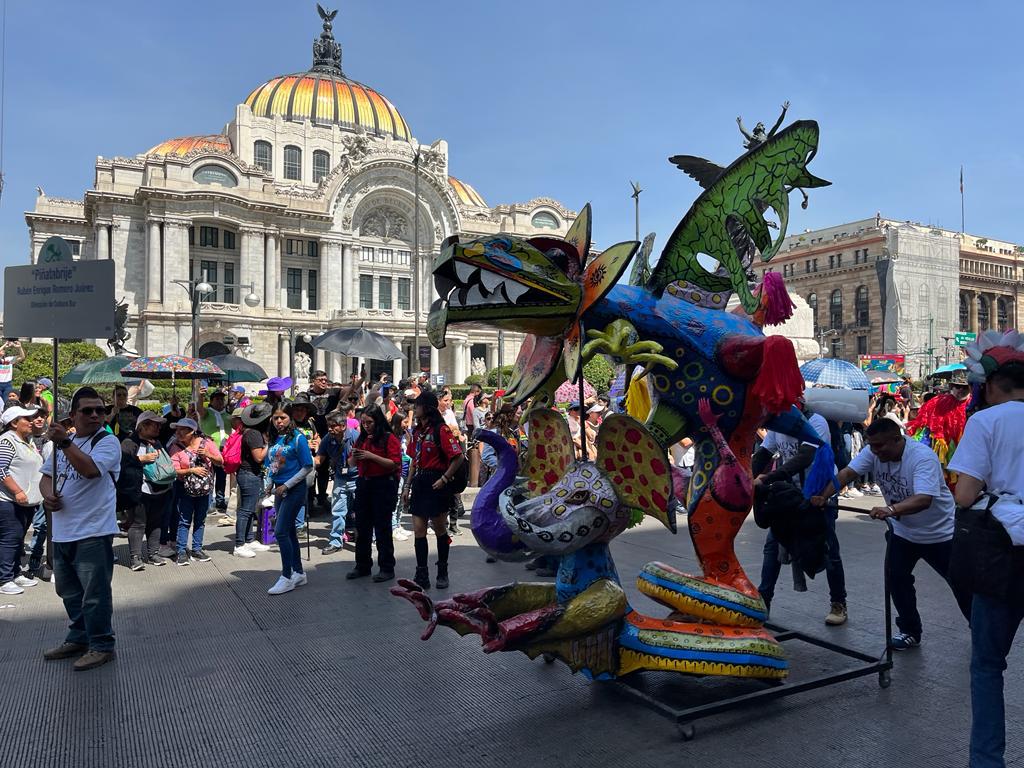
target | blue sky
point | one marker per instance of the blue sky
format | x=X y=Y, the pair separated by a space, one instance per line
x=564 y=99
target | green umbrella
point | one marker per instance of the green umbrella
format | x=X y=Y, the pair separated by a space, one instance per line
x=237 y=369
x=105 y=371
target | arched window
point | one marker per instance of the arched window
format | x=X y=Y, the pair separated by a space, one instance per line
x=1002 y=315
x=965 y=313
x=544 y=220
x=984 y=314
x=942 y=308
x=293 y=163
x=861 y=306
x=214 y=174
x=835 y=309
x=812 y=302
x=321 y=165
x=923 y=302
x=263 y=155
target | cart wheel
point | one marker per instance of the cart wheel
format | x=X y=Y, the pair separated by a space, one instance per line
x=884 y=679
x=687 y=731
x=549 y=658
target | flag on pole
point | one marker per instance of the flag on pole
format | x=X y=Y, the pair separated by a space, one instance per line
x=961 y=179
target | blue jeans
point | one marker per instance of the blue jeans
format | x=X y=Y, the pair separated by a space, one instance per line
x=192 y=512
x=220 y=482
x=82 y=571
x=14 y=520
x=249 y=488
x=396 y=518
x=284 y=529
x=994 y=623
x=342 y=505
x=6 y=388
x=834 y=573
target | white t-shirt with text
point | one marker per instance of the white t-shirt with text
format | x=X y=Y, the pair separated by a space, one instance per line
x=786 y=447
x=992 y=448
x=89 y=505
x=917 y=472
x=6 y=369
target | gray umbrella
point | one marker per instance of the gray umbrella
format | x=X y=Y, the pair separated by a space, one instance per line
x=237 y=369
x=358 y=342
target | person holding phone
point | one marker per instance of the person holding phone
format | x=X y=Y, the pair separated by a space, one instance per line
x=194 y=455
x=7 y=363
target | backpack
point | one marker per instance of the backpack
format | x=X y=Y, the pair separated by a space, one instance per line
x=232 y=453
x=129 y=482
x=460 y=479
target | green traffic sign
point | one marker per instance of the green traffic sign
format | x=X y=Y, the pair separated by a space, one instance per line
x=964 y=338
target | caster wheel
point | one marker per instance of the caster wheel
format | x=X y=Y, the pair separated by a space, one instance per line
x=884 y=679
x=549 y=658
x=687 y=731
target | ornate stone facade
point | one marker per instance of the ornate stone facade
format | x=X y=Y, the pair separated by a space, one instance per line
x=316 y=218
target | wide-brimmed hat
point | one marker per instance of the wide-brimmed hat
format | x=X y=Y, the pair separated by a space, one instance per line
x=187 y=423
x=277 y=384
x=237 y=413
x=256 y=413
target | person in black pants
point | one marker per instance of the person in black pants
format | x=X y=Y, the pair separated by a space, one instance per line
x=377 y=456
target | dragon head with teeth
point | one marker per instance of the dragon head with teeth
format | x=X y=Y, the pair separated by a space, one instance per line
x=518 y=285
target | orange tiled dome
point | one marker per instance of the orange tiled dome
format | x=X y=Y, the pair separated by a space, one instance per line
x=184 y=145
x=326 y=98
x=466 y=194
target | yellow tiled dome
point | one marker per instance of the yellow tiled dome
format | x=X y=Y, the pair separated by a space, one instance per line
x=326 y=99
x=466 y=194
x=184 y=145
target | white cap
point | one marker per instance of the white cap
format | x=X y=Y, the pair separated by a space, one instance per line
x=16 y=412
x=596 y=408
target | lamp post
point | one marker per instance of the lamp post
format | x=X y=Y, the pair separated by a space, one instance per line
x=822 y=334
x=414 y=362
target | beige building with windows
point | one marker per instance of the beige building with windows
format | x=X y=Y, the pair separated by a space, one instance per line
x=302 y=214
x=881 y=286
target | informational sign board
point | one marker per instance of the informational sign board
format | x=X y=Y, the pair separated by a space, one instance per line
x=60 y=299
x=437 y=379
x=964 y=338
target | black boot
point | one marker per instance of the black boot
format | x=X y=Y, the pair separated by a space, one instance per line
x=422 y=577
x=442 y=576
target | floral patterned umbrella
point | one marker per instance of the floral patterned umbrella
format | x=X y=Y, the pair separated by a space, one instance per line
x=171 y=367
x=569 y=392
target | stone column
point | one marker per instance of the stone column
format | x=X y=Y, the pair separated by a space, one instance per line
x=972 y=297
x=102 y=242
x=334 y=367
x=396 y=365
x=348 y=278
x=249 y=263
x=318 y=361
x=284 y=362
x=154 y=263
x=435 y=361
x=176 y=266
x=271 y=276
x=492 y=356
x=331 y=276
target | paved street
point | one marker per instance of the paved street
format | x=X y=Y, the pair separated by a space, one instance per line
x=211 y=671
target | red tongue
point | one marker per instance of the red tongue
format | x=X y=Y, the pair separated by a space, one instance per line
x=741 y=355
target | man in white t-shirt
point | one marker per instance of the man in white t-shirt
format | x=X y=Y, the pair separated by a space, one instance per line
x=82 y=502
x=919 y=506
x=988 y=458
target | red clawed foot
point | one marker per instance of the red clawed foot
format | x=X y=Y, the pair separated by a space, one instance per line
x=411 y=591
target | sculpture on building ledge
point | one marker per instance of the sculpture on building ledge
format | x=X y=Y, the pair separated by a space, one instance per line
x=478 y=366
x=707 y=374
x=302 y=365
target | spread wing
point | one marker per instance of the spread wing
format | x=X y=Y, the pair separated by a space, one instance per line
x=704 y=172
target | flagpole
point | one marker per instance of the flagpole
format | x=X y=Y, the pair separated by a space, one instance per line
x=962 y=227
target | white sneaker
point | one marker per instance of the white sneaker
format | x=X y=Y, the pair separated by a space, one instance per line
x=10 y=588
x=298 y=579
x=257 y=546
x=853 y=493
x=281 y=586
x=267 y=502
x=401 y=534
x=25 y=581
x=874 y=490
x=243 y=551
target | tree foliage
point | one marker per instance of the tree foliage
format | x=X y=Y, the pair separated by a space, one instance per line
x=600 y=373
x=492 y=376
x=38 y=360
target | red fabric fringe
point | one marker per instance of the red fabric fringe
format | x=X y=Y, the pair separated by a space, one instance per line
x=778 y=306
x=944 y=416
x=779 y=384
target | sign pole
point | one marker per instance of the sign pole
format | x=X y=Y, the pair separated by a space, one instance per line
x=53 y=456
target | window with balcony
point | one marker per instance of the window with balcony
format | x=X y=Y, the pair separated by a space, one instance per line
x=984 y=314
x=965 y=312
x=208 y=237
x=228 y=289
x=1002 y=315
x=384 y=293
x=862 y=345
x=263 y=154
x=293 y=287
x=313 y=249
x=366 y=292
x=404 y=294
x=861 y=306
x=835 y=309
x=293 y=163
x=311 y=290
x=321 y=165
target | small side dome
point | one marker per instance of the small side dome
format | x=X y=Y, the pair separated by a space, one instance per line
x=184 y=145
x=466 y=194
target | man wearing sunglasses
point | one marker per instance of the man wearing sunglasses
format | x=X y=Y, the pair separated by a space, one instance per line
x=82 y=501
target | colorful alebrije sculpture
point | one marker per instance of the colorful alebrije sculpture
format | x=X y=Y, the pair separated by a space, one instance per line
x=714 y=377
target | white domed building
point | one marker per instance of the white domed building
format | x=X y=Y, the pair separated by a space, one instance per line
x=302 y=215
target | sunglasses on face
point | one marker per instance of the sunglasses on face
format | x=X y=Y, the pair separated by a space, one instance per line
x=89 y=411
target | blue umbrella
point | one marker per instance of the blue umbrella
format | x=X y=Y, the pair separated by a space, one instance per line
x=831 y=372
x=948 y=369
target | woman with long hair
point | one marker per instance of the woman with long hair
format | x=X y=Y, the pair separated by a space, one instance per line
x=456 y=509
x=436 y=456
x=378 y=458
x=27 y=395
x=20 y=465
x=255 y=420
x=288 y=461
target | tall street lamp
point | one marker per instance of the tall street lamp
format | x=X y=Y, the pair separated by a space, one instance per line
x=822 y=334
x=414 y=362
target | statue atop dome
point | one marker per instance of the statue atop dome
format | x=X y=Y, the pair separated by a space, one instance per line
x=326 y=51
